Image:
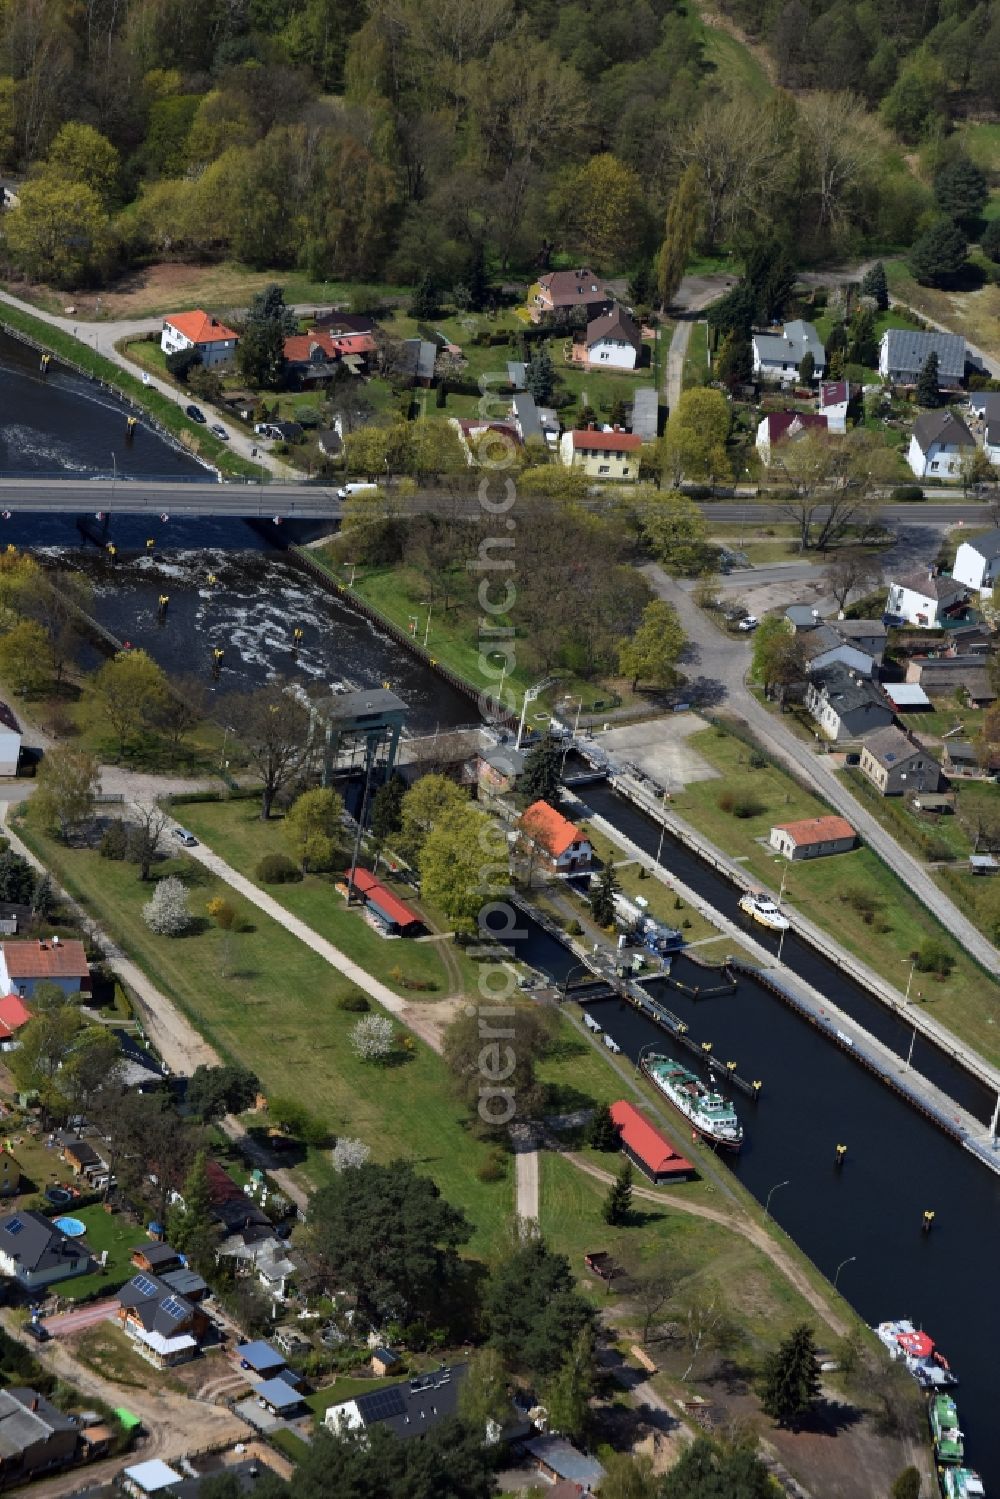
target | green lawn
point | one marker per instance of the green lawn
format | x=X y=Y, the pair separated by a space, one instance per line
x=233 y=829
x=110 y=1231
x=277 y=1013
x=344 y=1389
x=965 y=1002
x=291 y=1445
x=696 y=358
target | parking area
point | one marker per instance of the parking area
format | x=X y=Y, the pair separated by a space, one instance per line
x=660 y=748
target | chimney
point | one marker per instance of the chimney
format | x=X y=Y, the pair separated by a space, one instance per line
x=55 y=941
x=34 y=1402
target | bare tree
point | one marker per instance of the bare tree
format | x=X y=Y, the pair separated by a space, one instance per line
x=147 y=825
x=651 y=1288
x=705 y=1325
x=274 y=728
x=851 y=570
x=827 y=485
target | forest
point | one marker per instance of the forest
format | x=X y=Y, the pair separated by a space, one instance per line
x=376 y=142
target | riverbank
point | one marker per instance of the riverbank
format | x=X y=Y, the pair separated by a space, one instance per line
x=166 y=416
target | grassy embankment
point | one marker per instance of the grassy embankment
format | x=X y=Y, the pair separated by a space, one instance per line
x=190 y=434
x=974 y=313
x=837 y=893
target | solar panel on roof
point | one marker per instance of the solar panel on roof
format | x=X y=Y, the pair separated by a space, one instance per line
x=173 y=1308
x=381 y=1404
x=14 y=1226
x=144 y=1285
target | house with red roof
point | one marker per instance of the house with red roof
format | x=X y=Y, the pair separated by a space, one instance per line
x=813 y=837
x=647 y=1148
x=556 y=843
x=612 y=455
x=199 y=330
x=24 y=965
x=787 y=426
x=14 y=1014
x=313 y=358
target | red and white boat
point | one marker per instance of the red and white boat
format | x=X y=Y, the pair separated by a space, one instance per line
x=929 y=1368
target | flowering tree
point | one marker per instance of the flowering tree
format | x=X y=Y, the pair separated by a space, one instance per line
x=372 y=1037
x=167 y=913
x=348 y=1154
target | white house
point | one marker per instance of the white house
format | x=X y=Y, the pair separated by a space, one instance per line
x=197 y=330
x=925 y=599
x=777 y=356
x=407 y=1409
x=10 y=741
x=834 y=399
x=24 y=964
x=939 y=442
x=902 y=354
x=35 y=1253
x=556 y=841
x=977 y=563
x=614 y=341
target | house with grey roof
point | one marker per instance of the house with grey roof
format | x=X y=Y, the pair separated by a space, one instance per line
x=613 y=340
x=903 y=352
x=926 y=599
x=645 y=421
x=777 y=356
x=407 y=1409
x=823 y=647
x=165 y=1327
x=35 y=1438
x=845 y=704
x=895 y=763
x=35 y=1253
x=977 y=563
x=938 y=443
x=417 y=360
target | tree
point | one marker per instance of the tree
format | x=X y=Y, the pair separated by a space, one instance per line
x=734 y=361
x=938 y=256
x=532 y=1310
x=26 y=661
x=603 y=1131
x=979 y=476
x=617 y=1208
x=875 y=285
x=45 y=1044
x=807 y=368
x=827 y=483
x=628 y=1477
x=426 y=298
x=17 y=879
x=182 y=362
x=313 y=828
x=215 y=1091
x=676 y=532
x=694 y=444
x=192 y=1227
x=59 y=230
x=706 y=1470
x=851 y=571
x=485 y=1397
x=989 y=240
x=373 y=1038
x=387 y=810
x=129 y=687
x=961 y=190
x=273 y=726
x=566 y=1396
x=389 y=1237
x=167 y=913
x=679 y=233
x=448 y=1462
x=95 y=1063
x=935 y=956
x=422 y=807
x=79 y=153
x=656 y=647
x=463 y=862
x=602 y=902
x=928 y=392
x=146 y=828
x=907 y=1485
x=348 y=1154
x=539 y=376
x=779 y=659
x=602 y=203
x=790 y=1383
x=494 y=1074
x=542 y=774
x=67 y=783
x=260 y=353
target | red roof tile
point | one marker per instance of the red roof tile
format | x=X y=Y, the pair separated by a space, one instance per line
x=817 y=830
x=199 y=327
x=13 y=1014
x=45 y=960
x=544 y=825
x=379 y=895
x=789 y=423
x=607 y=442
x=647 y=1143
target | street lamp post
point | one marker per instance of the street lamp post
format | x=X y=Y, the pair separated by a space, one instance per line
x=909 y=981
x=767 y=1205
x=114 y=477
x=569 y=742
x=427 y=626
x=530 y=693
x=781 y=896
x=849 y=1261
x=354 y=567
x=663 y=826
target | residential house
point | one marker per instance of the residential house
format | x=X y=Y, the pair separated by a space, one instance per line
x=562 y=291
x=645 y=418
x=418 y=358
x=977 y=563
x=903 y=353
x=14 y=1015
x=647 y=1148
x=785 y=426
x=392 y=915
x=24 y=965
x=36 y=1253
x=869 y=635
x=833 y=402
x=498 y=768
x=938 y=443
x=614 y=341
x=557 y=843
x=824 y=646
x=946 y=675
x=35 y=1437
x=10 y=741
x=165 y=1327
x=560 y=1462
x=524 y=414
x=846 y=705
x=197 y=330
x=813 y=837
x=407 y=1409
x=777 y=356
x=385 y=1361
x=895 y=763
x=156 y=1257
x=963 y=759
x=926 y=599
x=314 y=358
x=10 y=1174
x=338 y=323
x=612 y=455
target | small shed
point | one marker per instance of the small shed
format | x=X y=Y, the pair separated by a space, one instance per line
x=939 y=803
x=279 y=1397
x=557 y=1460
x=385 y=1361
x=983 y=863
x=259 y=1357
x=647 y=1148
x=906 y=697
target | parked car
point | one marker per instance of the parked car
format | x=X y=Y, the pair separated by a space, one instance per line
x=348 y=489
x=748 y=623
x=195 y=413
x=219 y=431
x=183 y=836
x=38 y=1331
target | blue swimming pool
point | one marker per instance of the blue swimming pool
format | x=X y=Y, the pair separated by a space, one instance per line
x=71 y=1227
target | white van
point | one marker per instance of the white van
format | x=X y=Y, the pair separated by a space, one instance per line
x=348 y=489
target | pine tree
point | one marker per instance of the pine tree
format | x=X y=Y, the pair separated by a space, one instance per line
x=734 y=362
x=602 y=903
x=541 y=775
x=603 y=1133
x=907 y=1485
x=539 y=376
x=807 y=368
x=874 y=285
x=191 y=1227
x=425 y=298
x=618 y=1203
x=477 y=280
x=790 y=1384
x=678 y=235
x=927 y=391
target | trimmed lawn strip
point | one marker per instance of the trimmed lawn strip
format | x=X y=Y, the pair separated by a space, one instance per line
x=696 y=356
x=965 y=1002
x=278 y=1015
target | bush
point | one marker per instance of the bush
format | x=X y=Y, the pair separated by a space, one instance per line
x=935 y=956
x=867 y=906
x=277 y=869
x=114 y=841
x=167 y=913
x=355 y=1002
x=906 y=494
x=494 y=1167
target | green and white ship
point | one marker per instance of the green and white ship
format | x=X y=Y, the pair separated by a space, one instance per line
x=712 y=1116
x=943 y=1415
x=961 y=1483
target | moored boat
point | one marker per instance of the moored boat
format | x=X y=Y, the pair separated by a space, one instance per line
x=929 y=1368
x=762 y=909
x=711 y=1115
x=961 y=1483
x=943 y=1416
